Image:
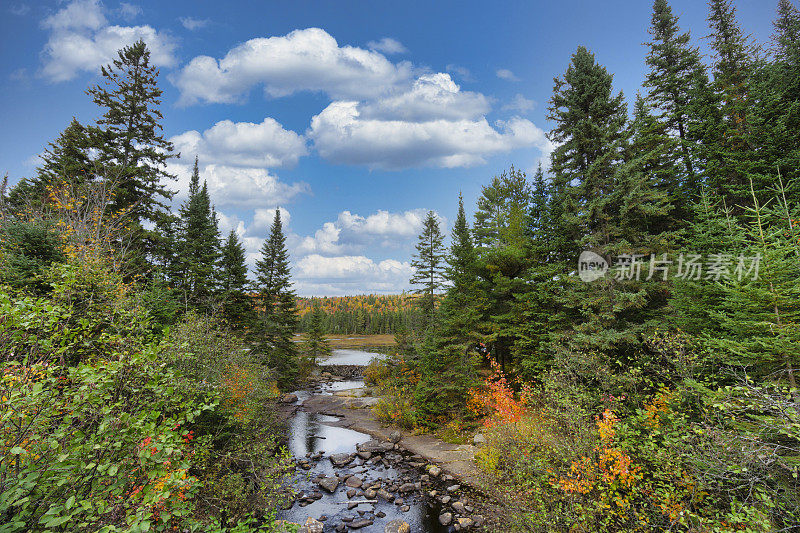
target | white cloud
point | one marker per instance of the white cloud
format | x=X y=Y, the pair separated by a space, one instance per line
x=129 y=11
x=350 y=274
x=432 y=96
x=387 y=45
x=352 y=233
x=82 y=40
x=303 y=60
x=241 y=187
x=505 y=74
x=342 y=135
x=263 y=219
x=462 y=72
x=266 y=144
x=193 y=24
x=520 y=103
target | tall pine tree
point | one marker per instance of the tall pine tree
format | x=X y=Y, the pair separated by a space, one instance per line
x=236 y=304
x=428 y=263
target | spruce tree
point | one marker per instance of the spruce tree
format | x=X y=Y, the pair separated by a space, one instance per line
x=316 y=345
x=502 y=204
x=428 y=263
x=131 y=148
x=276 y=305
x=67 y=159
x=199 y=246
x=675 y=77
x=236 y=305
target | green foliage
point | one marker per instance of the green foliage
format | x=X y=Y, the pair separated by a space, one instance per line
x=428 y=263
x=27 y=249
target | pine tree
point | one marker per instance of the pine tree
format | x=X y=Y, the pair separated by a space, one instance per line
x=276 y=305
x=428 y=263
x=503 y=204
x=132 y=150
x=199 y=246
x=786 y=39
x=236 y=305
x=675 y=78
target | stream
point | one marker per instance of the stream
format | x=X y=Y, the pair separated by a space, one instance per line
x=378 y=476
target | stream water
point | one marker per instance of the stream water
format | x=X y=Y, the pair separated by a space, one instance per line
x=313 y=439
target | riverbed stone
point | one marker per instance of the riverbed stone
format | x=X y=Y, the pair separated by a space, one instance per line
x=395 y=437
x=434 y=470
x=397 y=526
x=478 y=519
x=351 y=493
x=464 y=523
x=459 y=507
x=445 y=518
x=364 y=455
x=361 y=522
x=289 y=397
x=406 y=487
x=354 y=482
x=446 y=499
x=453 y=488
x=329 y=483
x=312 y=525
x=383 y=494
x=340 y=459
x=370 y=494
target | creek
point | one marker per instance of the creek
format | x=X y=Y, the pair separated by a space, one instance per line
x=390 y=479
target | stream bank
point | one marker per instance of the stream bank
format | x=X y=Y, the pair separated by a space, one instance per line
x=353 y=474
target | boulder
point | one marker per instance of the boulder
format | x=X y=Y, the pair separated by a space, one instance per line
x=354 y=482
x=361 y=522
x=397 y=526
x=385 y=495
x=434 y=470
x=445 y=519
x=289 y=397
x=453 y=488
x=406 y=487
x=459 y=507
x=329 y=483
x=312 y=525
x=395 y=437
x=479 y=440
x=340 y=459
x=464 y=523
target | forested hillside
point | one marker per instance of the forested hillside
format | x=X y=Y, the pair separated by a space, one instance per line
x=366 y=314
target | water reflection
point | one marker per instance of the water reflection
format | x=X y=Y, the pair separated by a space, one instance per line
x=350 y=357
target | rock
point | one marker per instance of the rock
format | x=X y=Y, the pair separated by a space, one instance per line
x=352 y=505
x=434 y=470
x=433 y=493
x=395 y=437
x=351 y=493
x=361 y=522
x=354 y=482
x=405 y=508
x=446 y=500
x=312 y=525
x=340 y=459
x=445 y=519
x=459 y=507
x=370 y=494
x=425 y=478
x=453 y=488
x=341 y=528
x=397 y=526
x=447 y=477
x=479 y=440
x=468 y=508
x=385 y=495
x=478 y=519
x=464 y=523
x=316 y=495
x=329 y=483
x=406 y=487
x=380 y=514
x=289 y=397
x=365 y=455
x=323 y=518
x=375 y=446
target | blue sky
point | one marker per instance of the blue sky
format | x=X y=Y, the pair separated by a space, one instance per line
x=354 y=117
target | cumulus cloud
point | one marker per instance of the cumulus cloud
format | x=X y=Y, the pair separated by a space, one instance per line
x=505 y=74
x=520 y=103
x=350 y=274
x=193 y=24
x=387 y=45
x=81 y=39
x=266 y=144
x=432 y=96
x=462 y=72
x=342 y=135
x=129 y=11
x=350 y=232
x=242 y=187
x=303 y=60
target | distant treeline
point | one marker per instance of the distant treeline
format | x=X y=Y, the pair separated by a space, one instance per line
x=365 y=314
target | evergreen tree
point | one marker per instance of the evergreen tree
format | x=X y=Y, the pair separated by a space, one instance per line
x=428 y=263
x=503 y=204
x=67 y=158
x=786 y=39
x=675 y=78
x=199 y=245
x=276 y=305
x=316 y=345
x=236 y=305
x=131 y=149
